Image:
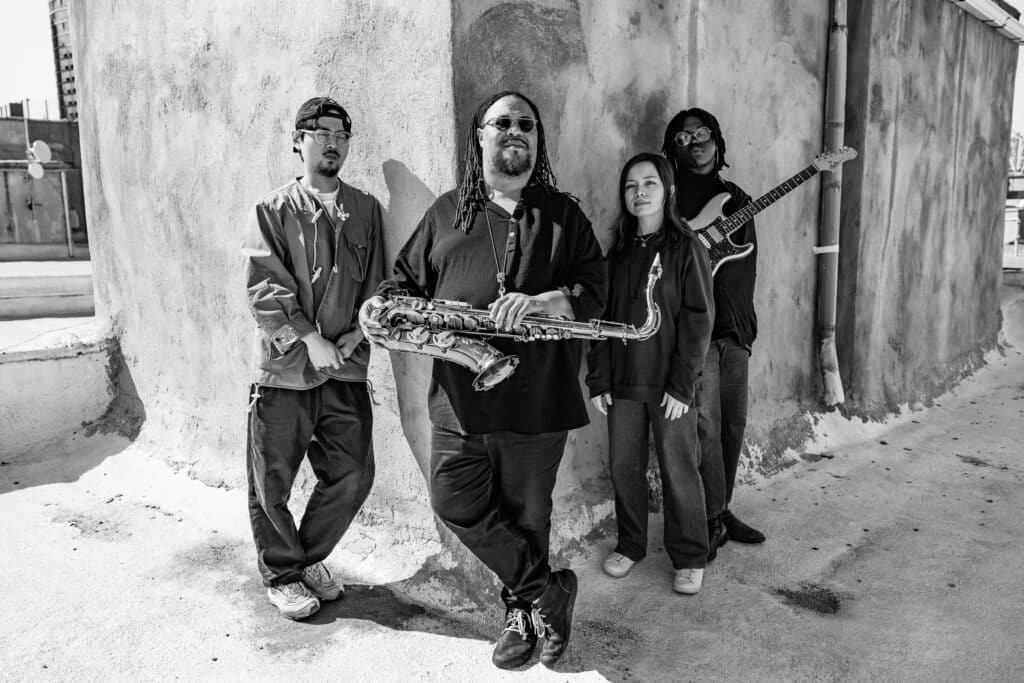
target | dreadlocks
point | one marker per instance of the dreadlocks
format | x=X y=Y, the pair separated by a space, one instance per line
x=472 y=193
x=668 y=147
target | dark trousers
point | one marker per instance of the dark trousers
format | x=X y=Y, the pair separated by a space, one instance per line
x=678 y=450
x=723 y=418
x=494 y=492
x=331 y=425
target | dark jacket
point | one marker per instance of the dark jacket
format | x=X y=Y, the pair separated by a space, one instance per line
x=734 y=281
x=671 y=361
x=279 y=282
x=552 y=246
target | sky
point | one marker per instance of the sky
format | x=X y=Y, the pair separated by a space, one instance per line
x=26 y=55
x=27 y=71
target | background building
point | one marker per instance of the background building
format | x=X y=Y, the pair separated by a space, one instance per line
x=63 y=59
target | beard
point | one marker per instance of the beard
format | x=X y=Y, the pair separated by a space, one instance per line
x=328 y=168
x=508 y=161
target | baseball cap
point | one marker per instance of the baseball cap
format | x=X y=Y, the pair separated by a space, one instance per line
x=313 y=108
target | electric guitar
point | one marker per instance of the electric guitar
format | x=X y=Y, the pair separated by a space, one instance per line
x=713 y=228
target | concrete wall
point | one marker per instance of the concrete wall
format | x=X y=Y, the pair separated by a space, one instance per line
x=929 y=106
x=185 y=113
x=608 y=76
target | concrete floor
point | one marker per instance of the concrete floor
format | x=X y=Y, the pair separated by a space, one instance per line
x=895 y=552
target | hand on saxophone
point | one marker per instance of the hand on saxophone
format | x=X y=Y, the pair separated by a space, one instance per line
x=509 y=310
x=372 y=330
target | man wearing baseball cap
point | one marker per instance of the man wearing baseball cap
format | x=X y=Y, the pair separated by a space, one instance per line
x=314 y=253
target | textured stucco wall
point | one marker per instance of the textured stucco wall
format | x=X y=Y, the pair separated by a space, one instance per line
x=929 y=106
x=608 y=77
x=186 y=113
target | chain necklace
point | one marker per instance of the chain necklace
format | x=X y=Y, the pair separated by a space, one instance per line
x=499 y=269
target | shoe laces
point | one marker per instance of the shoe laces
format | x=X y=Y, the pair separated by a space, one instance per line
x=538 y=623
x=294 y=591
x=517 y=621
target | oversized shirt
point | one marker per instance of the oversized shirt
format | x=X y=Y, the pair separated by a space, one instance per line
x=551 y=246
x=734 y=282
x=672 y=360
x=278 y=247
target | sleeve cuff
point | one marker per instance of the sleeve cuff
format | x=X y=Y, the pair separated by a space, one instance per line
x=289 y=334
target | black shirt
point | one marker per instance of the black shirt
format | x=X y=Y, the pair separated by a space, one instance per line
x=734 y=281
x=673 y=359
x=551 y=246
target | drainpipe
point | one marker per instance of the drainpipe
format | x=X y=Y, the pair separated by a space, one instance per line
x=828 y=233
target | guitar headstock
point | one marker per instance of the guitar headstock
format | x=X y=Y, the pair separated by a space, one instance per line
x=830 y=161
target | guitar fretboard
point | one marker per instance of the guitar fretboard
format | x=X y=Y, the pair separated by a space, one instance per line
x=738 y=219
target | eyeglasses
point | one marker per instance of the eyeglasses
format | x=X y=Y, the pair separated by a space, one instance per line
x=700 y=136
x=340 y=137
x=503 y=123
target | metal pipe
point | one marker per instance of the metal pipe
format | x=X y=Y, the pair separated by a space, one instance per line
x=831 y=194
x=67 y=215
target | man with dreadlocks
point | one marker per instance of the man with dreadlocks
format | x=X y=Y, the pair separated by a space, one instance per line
x=507 y=240
x=696 y=147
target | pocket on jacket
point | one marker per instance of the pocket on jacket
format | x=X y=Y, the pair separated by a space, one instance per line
x=356 y=256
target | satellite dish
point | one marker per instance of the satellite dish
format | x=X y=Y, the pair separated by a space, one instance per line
x=35 y=169
x=41 y=151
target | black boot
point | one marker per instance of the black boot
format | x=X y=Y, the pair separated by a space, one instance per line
x=738 y=531
x=519 y=638
x=717 y=536
x=554 y=609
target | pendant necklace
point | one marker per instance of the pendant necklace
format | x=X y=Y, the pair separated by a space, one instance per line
x=499 y=269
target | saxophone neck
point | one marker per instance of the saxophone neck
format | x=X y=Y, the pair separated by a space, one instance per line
x=653 y=321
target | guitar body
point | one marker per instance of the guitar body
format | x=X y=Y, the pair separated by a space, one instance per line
x=713 y=227
x=721 y=248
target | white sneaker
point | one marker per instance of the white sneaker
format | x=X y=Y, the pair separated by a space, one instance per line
x=319 y=581
x=293 y=600
x=617 y=565
x=688 y=581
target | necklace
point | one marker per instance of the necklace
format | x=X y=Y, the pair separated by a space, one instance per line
x=499 y=274
x=644 y=239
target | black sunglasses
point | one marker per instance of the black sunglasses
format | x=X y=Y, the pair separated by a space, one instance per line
x=504 y=123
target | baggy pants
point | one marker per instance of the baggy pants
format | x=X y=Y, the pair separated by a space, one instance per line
x=494 y=492
x=722 y=421
x=678 y=450
x=331 y=425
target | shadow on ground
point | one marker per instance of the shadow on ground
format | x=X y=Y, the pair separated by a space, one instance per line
x=60 y=460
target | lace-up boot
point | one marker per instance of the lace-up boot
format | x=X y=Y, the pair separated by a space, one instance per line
x=554 y=614
x=519 y=638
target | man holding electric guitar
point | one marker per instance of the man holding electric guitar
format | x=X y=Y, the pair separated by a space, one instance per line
x=695 y=146
x=722 y=215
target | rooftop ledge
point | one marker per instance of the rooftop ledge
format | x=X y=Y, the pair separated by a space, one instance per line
x=995 y=14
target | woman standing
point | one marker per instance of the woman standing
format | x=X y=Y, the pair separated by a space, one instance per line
x=653 y=384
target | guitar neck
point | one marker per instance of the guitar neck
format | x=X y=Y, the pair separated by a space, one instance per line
x=739 y=219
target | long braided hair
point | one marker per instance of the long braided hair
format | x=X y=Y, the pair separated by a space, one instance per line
x=472 y=190
x=668 y=147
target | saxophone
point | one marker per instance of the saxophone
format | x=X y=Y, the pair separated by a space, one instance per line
x=455 y=332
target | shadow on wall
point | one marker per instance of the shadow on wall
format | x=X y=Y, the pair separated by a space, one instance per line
x=515 y=46
x=474 y=584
